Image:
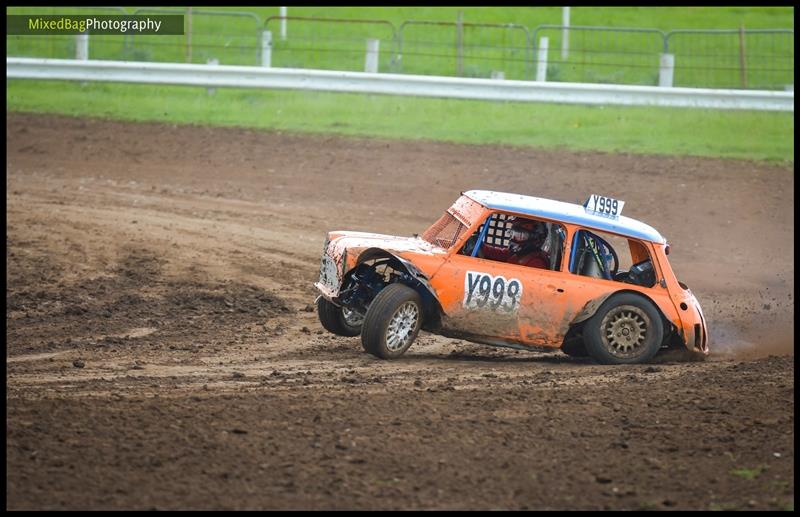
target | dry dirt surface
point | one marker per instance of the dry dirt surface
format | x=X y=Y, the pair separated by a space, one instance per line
x=163 y=351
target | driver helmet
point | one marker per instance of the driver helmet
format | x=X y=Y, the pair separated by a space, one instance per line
x=526 y=231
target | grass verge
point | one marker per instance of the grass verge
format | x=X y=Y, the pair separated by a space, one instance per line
x=669 y=131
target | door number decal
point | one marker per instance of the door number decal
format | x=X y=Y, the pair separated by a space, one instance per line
x=496 y=293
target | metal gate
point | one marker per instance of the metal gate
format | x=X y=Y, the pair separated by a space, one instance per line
x=464 y=49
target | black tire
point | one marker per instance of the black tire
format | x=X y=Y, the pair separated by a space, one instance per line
x=575 y=348
x=679 y=354
x=332 y=318
x=626 y=329
x=392 y=322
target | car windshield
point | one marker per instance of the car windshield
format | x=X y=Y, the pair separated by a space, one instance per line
x=456 y=220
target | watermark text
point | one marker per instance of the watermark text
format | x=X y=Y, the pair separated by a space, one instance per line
x=171 y=24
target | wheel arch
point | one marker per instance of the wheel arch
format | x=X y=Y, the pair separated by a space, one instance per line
x=592 y=306
x=418 y=281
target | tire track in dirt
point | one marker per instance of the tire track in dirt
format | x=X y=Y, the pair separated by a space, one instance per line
x=163 y=349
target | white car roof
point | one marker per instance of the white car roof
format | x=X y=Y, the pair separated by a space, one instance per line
x=567 y=212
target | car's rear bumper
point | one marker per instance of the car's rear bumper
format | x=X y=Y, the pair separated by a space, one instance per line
x=695 y=330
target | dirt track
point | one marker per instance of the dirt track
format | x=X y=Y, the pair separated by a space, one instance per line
x=162 y=351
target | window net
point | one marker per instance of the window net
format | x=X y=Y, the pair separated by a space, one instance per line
x=444 y=232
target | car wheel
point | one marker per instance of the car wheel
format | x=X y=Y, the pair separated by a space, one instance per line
x=339 y=320
x=626 y=329
x=392 y=322
x=575 y=348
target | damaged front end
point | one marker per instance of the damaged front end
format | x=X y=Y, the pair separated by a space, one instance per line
x=356 y=266
x=332 y=269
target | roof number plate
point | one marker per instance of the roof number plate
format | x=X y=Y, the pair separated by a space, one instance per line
x=603 y=205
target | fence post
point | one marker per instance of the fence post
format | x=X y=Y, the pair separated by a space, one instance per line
x=82 y=46
x=371 y=62
x=282 y=12
x=211 y=62
x=541 y=65
x=266 y=49
x=188 y=34
x=460 y=44
x=742 y=61
x=666 y=70
x=565 y=33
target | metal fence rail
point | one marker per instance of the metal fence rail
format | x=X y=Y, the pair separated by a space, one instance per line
x=393 y=84
x=331 y=43
x=465 y=49
x=210 y=35
x=602 y=54
x=740 y=58
x=733 y=58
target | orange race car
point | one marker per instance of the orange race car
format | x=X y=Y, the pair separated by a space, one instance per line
x=516 y=271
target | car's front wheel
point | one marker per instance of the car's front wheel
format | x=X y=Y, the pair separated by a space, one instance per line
x=392 y=321
x=626 y=329
x=339 y=320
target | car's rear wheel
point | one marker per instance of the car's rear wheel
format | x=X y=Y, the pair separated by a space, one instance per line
x=575 y=348
x=626 y=329
x=392 y=321
x=339 y=320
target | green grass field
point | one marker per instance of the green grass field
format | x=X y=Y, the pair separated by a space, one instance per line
x=233 y=39
x=713 y=133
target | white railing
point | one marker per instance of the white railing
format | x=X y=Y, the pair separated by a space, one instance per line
x=393 y=84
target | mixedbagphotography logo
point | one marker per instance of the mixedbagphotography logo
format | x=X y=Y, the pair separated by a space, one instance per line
x=21 y=25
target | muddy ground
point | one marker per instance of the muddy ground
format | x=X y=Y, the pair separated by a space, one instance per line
x=163 y=353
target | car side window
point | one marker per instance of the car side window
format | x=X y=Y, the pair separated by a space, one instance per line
x=519 y=240
x=603 y=255
x=491 y=232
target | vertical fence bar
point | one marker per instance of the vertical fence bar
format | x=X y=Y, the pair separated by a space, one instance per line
x=188 y=34
x=742 y=60
x=460 y=44
x=283 y=11
x=565 y=33
x=266 y=49
x=790 y=87
x=82 y=46
x=371 y=62
x=541 y=65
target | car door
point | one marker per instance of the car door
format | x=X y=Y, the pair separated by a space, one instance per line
x=501 y=302
x=481 y=299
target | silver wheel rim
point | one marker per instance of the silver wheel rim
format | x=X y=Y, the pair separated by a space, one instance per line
x=402 y=326
x=352 y=318
x=624 y=331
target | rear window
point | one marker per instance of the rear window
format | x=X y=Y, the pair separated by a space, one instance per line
x=444 y=232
